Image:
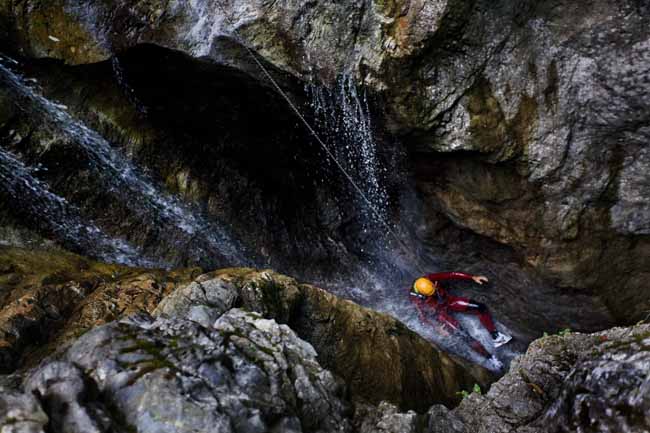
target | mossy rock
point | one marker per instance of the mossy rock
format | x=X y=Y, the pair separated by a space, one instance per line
x=49 y=29
x=490 y=131
x=376 y=355
x=48 y=298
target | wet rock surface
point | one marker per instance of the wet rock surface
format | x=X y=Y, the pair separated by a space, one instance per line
x=200 y=363
x=518 y=294
x=377 y=356
x=224 y=151
x=203 y=361
x=71 y=175
x=576 y=382
x=322 y=239
x=500 y=89
x=242 y=373
x=527 y=126
x=49 y=298
x=250 y=350
x=49 y=306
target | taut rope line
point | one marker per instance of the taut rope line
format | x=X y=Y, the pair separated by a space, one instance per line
x=329 y=153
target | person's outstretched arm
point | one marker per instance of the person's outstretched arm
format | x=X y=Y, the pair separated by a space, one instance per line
x=478 y=279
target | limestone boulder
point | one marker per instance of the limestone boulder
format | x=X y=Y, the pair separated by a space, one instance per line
x=243 y=373
x=575 y=382
x=51 y=297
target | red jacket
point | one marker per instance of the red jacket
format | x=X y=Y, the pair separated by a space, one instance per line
x=440 y=297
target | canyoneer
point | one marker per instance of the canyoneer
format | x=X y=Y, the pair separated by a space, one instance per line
x=433 y=301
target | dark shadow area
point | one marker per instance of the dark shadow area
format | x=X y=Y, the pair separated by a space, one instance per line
x=220 y=141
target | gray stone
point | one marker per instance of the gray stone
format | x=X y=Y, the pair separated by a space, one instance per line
x=20 y=413
x=578 y=382
x=609 y=390
x=62 y=389
x=243 y=374
x=442 y=420
x=555 y=92
x=386 y=418
x=200 y=301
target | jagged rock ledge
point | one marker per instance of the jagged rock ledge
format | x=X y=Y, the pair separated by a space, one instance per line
x=50 y=299
x=577 y=382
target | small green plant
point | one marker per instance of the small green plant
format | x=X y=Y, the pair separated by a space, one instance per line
x=475 y=389
x=563 y=333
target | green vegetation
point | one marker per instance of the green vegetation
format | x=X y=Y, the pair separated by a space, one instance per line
x=562 y=333
x=476 y=389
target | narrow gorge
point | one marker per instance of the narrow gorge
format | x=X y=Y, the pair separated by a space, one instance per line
x=212 y=213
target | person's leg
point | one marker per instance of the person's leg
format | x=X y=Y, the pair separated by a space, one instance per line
x=456 y=303
x=452 y=326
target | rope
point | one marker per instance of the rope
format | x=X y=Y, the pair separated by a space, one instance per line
x=329 y=153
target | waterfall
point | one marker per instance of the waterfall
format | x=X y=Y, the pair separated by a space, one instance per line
x=120 y=75
x=31 y=198
x=344 y=121
x=382 y=283
x=181 y=226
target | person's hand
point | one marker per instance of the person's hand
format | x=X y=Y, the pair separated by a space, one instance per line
x=479 y=279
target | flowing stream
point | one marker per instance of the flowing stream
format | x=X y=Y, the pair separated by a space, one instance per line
x=177 y=224
x=58 y=216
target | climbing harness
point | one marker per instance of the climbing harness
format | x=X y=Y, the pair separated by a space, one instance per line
x=329 y=153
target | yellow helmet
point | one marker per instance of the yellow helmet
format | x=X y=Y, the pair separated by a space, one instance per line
x=424 y=286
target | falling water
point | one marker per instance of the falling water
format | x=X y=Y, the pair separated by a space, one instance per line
x=182 y=227
x=120 y=75
x=343 y=118
x=57 y=216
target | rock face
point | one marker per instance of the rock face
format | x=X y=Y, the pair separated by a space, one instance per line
x=376 y=355
x=527 y=124
x=385 y=418
x=49 y=298
x=217 y=160
x=302 y=37
x=587 y=383
x=195 y=166
x=21 y=413
x=246 y=350
x=241 y=374
x=48 y=308
x=543 y=126
x=43 y=145
x=206 y=359
x=550 y=108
